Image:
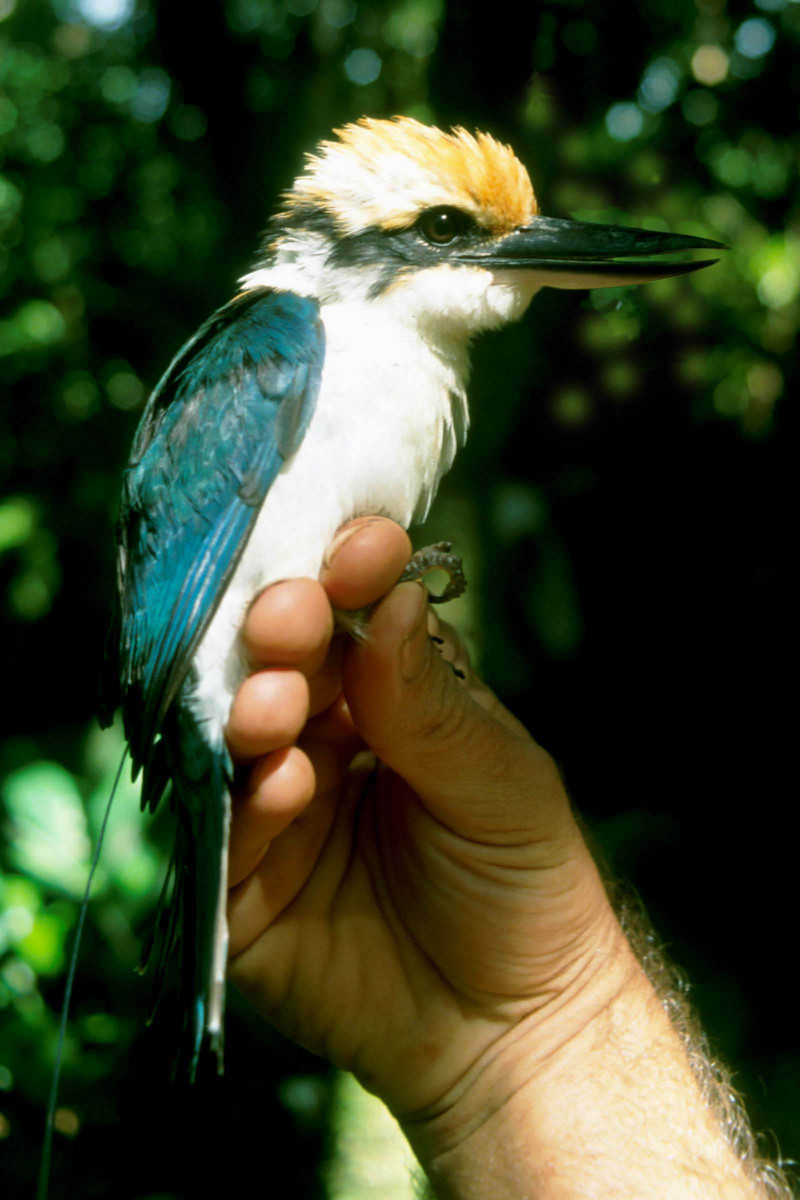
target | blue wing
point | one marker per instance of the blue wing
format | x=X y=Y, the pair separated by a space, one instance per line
x=231 y=407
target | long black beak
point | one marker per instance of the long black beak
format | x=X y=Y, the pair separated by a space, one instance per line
x=578 y=254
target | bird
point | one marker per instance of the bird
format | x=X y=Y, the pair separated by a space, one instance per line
x=332 y=385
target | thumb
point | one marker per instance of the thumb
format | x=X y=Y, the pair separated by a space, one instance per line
x=475 y=773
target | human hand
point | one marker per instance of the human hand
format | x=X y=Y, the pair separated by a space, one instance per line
x=410 y=923
x=436 y=924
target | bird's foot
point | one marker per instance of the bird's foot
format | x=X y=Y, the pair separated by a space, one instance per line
x=437 y=558
x=355 y=622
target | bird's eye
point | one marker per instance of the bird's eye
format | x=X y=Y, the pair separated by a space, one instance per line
x=442 y=225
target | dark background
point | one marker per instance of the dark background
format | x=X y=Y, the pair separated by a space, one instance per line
x=623 y=502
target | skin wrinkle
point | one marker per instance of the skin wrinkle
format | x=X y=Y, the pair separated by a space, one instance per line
x=383 y=896
x=261 y=880
x=545 y=1001
x=500 y=844
x=371 y=810
x=289 y=759
x=504 y=1045
x=501 y=927
x=444 y=728
x=295 y=983
x=407 y=931
x=503 y=1069
x=449 y=723
x=245 y=737
x=497 y=761
x=462 y=1132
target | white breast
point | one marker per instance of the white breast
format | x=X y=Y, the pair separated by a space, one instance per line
x=389 y=417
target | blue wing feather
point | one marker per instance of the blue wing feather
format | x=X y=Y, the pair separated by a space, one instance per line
x=231 y=407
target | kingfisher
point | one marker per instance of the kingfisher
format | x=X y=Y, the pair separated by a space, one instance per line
x=333 y=385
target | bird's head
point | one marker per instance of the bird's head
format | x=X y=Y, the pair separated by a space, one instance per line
x=445 y=227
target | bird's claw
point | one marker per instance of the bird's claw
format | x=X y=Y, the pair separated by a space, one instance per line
x=355 y=622
x=437 y=558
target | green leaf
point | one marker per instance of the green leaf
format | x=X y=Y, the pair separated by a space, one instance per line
x=48 y=838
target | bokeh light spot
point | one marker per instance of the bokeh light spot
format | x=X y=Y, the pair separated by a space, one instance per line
x=66 y=1121
x=188 y=122
x=118 y=84
x=700 y=107
x=105 y=14
x=731 y=164
x=572 y=406
x=152 y=95
x=779 y=285
x=659 y=85
x=710 y=65
x=45 y=141
x=41 y=323
x=125 y=391
x=765 y=383
x=755 y=37
x=18 y=976
x=18 y=518
x=624 y=121
x=363 y=66
x=338 y=13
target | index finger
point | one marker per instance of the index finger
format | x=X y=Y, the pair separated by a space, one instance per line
x=364 y=562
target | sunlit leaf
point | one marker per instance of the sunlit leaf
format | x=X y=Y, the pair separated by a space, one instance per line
x=128 y=858
x=48 y=836
x=43 y=947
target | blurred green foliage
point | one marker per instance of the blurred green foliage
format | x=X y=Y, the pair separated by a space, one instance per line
x=624 y=509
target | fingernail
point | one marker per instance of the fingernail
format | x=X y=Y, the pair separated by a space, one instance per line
x=416 y=645
x=337 y=543
x=343 y=536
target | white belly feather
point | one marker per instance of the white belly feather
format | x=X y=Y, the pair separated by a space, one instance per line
x=388 y=420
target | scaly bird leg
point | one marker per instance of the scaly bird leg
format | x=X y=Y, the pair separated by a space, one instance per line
x=431 y=558
x=437 y=558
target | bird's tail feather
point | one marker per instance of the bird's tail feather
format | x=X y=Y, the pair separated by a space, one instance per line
x=191 y=925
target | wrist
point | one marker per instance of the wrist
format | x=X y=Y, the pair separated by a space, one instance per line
x=594 y=1097
x=531 y=1053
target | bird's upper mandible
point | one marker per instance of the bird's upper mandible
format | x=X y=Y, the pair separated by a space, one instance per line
x=445 y=222
x=332 y=385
